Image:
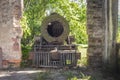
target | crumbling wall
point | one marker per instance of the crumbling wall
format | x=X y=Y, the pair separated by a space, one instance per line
x=96 y=31
x=10 y=32
x=101 y=28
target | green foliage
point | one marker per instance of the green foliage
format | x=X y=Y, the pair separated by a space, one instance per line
x=118 y=33
x=36 y=10
x=25 y=50
x=83 y=60
x=74 y=12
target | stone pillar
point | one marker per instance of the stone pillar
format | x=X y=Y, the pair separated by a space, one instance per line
x=96 y=31
x=10 y=32
x=101 y=28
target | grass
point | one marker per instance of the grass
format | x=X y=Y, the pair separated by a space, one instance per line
x=71 y=75
x=64 y=75
x=44 y=76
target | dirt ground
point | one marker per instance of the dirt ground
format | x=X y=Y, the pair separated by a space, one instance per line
x=56 y=74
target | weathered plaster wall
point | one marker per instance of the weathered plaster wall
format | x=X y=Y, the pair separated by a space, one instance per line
x=10 y=32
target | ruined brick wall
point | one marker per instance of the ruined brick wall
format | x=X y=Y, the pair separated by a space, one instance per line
x=101 y=28
x=10 y=32
x=95 y=30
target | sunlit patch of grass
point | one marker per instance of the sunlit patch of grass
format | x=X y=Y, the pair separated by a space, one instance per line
x=83 y=60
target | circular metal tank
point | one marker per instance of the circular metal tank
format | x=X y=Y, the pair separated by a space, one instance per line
x=55 y=28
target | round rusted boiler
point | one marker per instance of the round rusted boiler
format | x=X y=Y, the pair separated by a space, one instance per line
x=55 y=28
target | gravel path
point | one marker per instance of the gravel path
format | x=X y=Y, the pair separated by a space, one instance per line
x=27 y=74
x=19 y=75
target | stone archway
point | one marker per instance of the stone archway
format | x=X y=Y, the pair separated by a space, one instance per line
x=101 y=28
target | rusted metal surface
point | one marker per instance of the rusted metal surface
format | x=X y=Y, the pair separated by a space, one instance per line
x=55 y=28
x=58 y=58
x=55 y=55
x=55 y=48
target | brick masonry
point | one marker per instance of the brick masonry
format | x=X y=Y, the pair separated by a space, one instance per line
x=10 y=32
x=95 y=30
x=101 y=29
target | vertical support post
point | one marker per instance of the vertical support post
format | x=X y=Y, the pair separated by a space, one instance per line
x=95 y=30
x=10 y=32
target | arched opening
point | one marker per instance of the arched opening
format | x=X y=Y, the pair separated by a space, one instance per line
x=74 y=11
